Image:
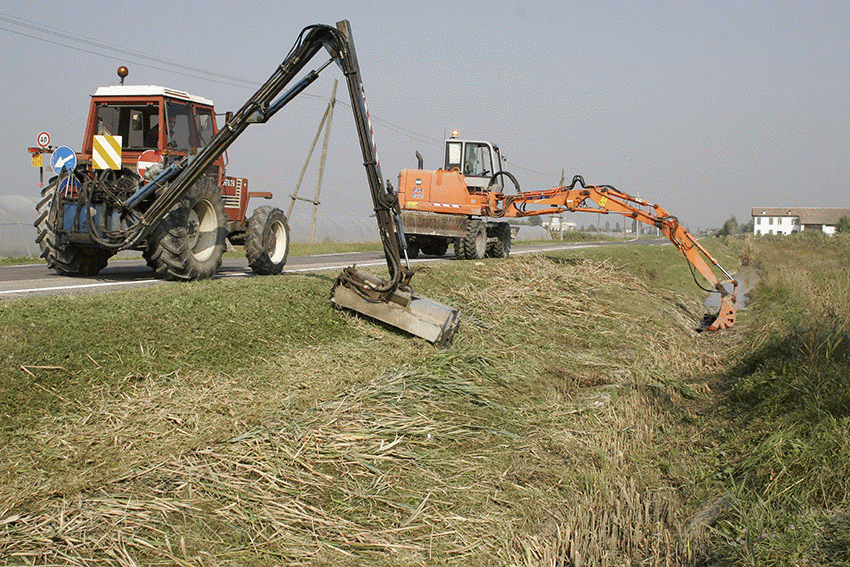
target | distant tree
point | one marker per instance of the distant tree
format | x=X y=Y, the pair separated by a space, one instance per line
x=607 y=226
x=535 y=220
x=746 y=228
x=729 y=227
x=843 y=225
x=617 y=227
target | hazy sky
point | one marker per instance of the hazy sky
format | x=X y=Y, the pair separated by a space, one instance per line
x=705 y=108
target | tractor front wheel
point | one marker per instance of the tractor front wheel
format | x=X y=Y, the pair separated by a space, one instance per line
x=187 y=244
x=66 y=259
x=267 y=241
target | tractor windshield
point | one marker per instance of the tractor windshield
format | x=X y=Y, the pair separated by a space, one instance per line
x=136 y=124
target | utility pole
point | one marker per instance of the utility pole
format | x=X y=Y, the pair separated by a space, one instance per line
x=327 y=118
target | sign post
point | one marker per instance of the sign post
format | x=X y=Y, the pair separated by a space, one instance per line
x=43 y=141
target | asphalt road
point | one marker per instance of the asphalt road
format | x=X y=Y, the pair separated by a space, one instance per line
x=36 y=279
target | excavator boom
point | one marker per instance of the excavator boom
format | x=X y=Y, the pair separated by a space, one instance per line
x=604 y=199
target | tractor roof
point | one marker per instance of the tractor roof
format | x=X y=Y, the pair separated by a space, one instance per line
x=149 y=90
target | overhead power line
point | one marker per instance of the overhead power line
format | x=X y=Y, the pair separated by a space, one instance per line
x=100 y=48
x=111 y=49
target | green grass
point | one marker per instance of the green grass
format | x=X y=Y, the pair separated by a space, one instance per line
x=788 y=407
x=577 y=417
x=19 y=260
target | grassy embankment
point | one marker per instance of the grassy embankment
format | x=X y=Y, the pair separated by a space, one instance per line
x=576 y=418
x=787 y=407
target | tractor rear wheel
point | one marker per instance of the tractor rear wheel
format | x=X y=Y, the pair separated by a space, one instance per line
x=66 y=259
x=267 y=241
x=474 y=245
x=187 y=244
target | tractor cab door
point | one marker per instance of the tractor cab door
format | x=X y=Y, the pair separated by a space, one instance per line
x=477 y=161
x=181 y=132
x=189 y=127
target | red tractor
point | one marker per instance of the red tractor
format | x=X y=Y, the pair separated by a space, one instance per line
x=151 y=177
x=150 y=128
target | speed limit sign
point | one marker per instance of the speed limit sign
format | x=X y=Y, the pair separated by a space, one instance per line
x=43 y=139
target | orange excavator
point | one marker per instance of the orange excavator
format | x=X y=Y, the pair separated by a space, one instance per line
x=463 y=203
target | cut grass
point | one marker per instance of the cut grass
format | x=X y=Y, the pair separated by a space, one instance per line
x=240 y=422
x=247 y=421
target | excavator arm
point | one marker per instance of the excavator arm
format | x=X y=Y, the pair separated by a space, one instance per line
x=578 y=196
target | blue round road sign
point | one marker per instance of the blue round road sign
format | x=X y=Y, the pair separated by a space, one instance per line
x=63 y=158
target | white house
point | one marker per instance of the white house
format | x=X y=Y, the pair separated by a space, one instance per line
x=785 y=220
x=558 y=224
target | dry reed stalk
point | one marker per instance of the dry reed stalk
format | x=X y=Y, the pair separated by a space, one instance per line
x=442 y=457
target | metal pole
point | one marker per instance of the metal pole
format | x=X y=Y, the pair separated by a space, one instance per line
x=329 y=113
x=294 y=196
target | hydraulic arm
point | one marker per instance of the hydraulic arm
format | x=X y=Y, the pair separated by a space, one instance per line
x=392 y=300
x=578 y=196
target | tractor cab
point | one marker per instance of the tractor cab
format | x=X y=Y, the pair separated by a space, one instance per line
x=148 y=117
x=476 y=160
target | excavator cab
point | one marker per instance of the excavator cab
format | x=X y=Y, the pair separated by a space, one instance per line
x=476 y=160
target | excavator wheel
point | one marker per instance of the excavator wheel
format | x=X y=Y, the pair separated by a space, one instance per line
x=473 y=246
x=67 y=259
x=189 y=241
x=501 y=247
x=436 y=247
x=267 y=241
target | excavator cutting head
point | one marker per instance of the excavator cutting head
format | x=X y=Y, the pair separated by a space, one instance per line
x=400 y=307
x=727 y=314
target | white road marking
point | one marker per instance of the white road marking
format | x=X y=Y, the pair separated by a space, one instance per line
x=78 y=286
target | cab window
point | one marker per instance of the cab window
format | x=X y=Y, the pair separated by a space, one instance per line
x=136 y=124
x=205 y=125
x=477 y=161
x=453 y=155
x=182 y=133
